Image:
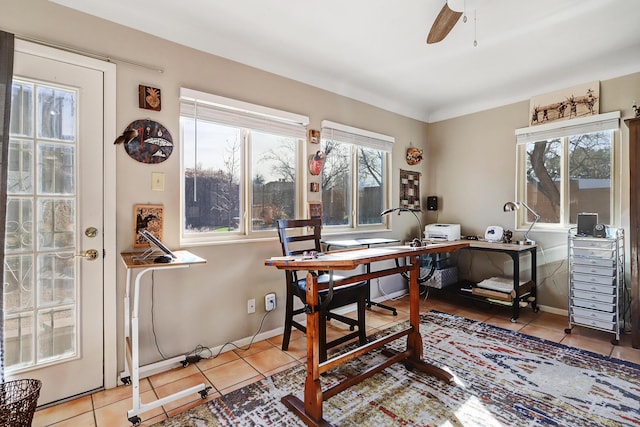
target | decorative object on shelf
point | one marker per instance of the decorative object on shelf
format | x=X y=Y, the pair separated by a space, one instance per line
x=414 y=156
x=514 y=206
x=314 y=136
x=316 y=162
x=146 y=141
x=314 y=187
x=150 y=218
x=149 y=98
x=410 y=190
x=636 y=110
x=508 y=236
x=315 y=210
x=577 y=101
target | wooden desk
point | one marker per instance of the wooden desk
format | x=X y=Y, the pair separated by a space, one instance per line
x=133 y=371
x=310 y=411
x=366 y=242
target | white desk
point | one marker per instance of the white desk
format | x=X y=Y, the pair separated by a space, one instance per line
x=133 y=371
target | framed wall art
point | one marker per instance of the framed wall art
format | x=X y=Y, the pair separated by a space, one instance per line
x=150 y=218
x=410 y=190
x=315 y=210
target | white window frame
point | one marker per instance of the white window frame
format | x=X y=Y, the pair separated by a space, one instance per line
x=367 y=139
x=564 y=129
x=242 y=114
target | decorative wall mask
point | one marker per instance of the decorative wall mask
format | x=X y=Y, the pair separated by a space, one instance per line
x=316 y=163
x=414 y=155
x=146 y=141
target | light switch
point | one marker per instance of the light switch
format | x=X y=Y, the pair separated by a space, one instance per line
x=157 y=181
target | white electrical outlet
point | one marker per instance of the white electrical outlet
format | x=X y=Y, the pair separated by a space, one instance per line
x=270 y=302
x=251 y=306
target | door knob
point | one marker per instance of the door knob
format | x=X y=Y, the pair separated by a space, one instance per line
x=89 y=254
x=91 y=232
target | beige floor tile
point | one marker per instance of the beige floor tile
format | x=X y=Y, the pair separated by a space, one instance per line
x=115 y=414
x=626 y=352
x=223 y=358
x=106 y=397
x=225 y=376
x=183 y=384
x=172 y=375
x=589 y=344
x=241 y=384
x=85 y=420
x=63 y=411
x=255 y=347
x=550 y=334
x=269 y=360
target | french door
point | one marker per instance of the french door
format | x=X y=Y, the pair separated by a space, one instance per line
x=53 y=272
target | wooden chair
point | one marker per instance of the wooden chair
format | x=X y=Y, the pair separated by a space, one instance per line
x=307 y=238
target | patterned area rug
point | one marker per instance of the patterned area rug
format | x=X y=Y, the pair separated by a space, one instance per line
x=503 y=378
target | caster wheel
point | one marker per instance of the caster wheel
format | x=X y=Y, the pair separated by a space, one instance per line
x=204 y=393
x=615 y=342
x=136 y=421
x=536 y=309
x=567 y=331
x=185 y=363
x=395 y=313
x=126 y=380
x=514 y=320
x=352 y=328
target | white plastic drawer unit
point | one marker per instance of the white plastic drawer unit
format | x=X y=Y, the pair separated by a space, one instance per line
x=593 y=305
x=594 y=296
x=593 y=314
x=596 y=262
x=600 y=280
x=593 y=252
x=600 y=271
x=594 y=243
x=582 y=286
x=609 y=326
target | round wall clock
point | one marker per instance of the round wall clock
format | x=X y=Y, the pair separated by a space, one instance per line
x=148 y=141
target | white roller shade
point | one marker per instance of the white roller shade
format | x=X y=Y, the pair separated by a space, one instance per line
x=559 y=129
x=204 y=106
x=361 y=137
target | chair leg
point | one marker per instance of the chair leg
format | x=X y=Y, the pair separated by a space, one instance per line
x=362 y=329
x=322 y=337
x=288 y=321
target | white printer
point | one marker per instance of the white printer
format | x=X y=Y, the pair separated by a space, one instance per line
x=448 y=232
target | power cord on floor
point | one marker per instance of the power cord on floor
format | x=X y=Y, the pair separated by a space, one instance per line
x=195 y=355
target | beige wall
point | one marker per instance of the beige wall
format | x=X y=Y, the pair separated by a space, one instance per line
x=470 y=165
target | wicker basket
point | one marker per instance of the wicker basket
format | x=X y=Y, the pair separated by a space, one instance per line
x=18 y=400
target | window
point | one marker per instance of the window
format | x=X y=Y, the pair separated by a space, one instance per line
x=567 y=168
x=239 y=164
x=355 y=176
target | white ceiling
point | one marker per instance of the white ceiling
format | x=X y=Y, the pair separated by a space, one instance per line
x=375 y=51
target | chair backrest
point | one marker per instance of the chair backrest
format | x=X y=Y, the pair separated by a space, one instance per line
x=306 y=236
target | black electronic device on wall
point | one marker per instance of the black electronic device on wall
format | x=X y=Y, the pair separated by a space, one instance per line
x=587 y=223
x=432 y=203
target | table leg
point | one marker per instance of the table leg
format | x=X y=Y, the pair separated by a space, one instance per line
x=414 y=339
x=516 y=285
x=311 y=410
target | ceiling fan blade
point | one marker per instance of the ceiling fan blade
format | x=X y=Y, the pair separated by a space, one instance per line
x=443 y=24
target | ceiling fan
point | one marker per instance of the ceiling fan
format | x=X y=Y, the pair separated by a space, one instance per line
x=446 y=20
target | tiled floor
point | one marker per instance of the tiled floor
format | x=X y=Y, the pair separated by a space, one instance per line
x=235 y=369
